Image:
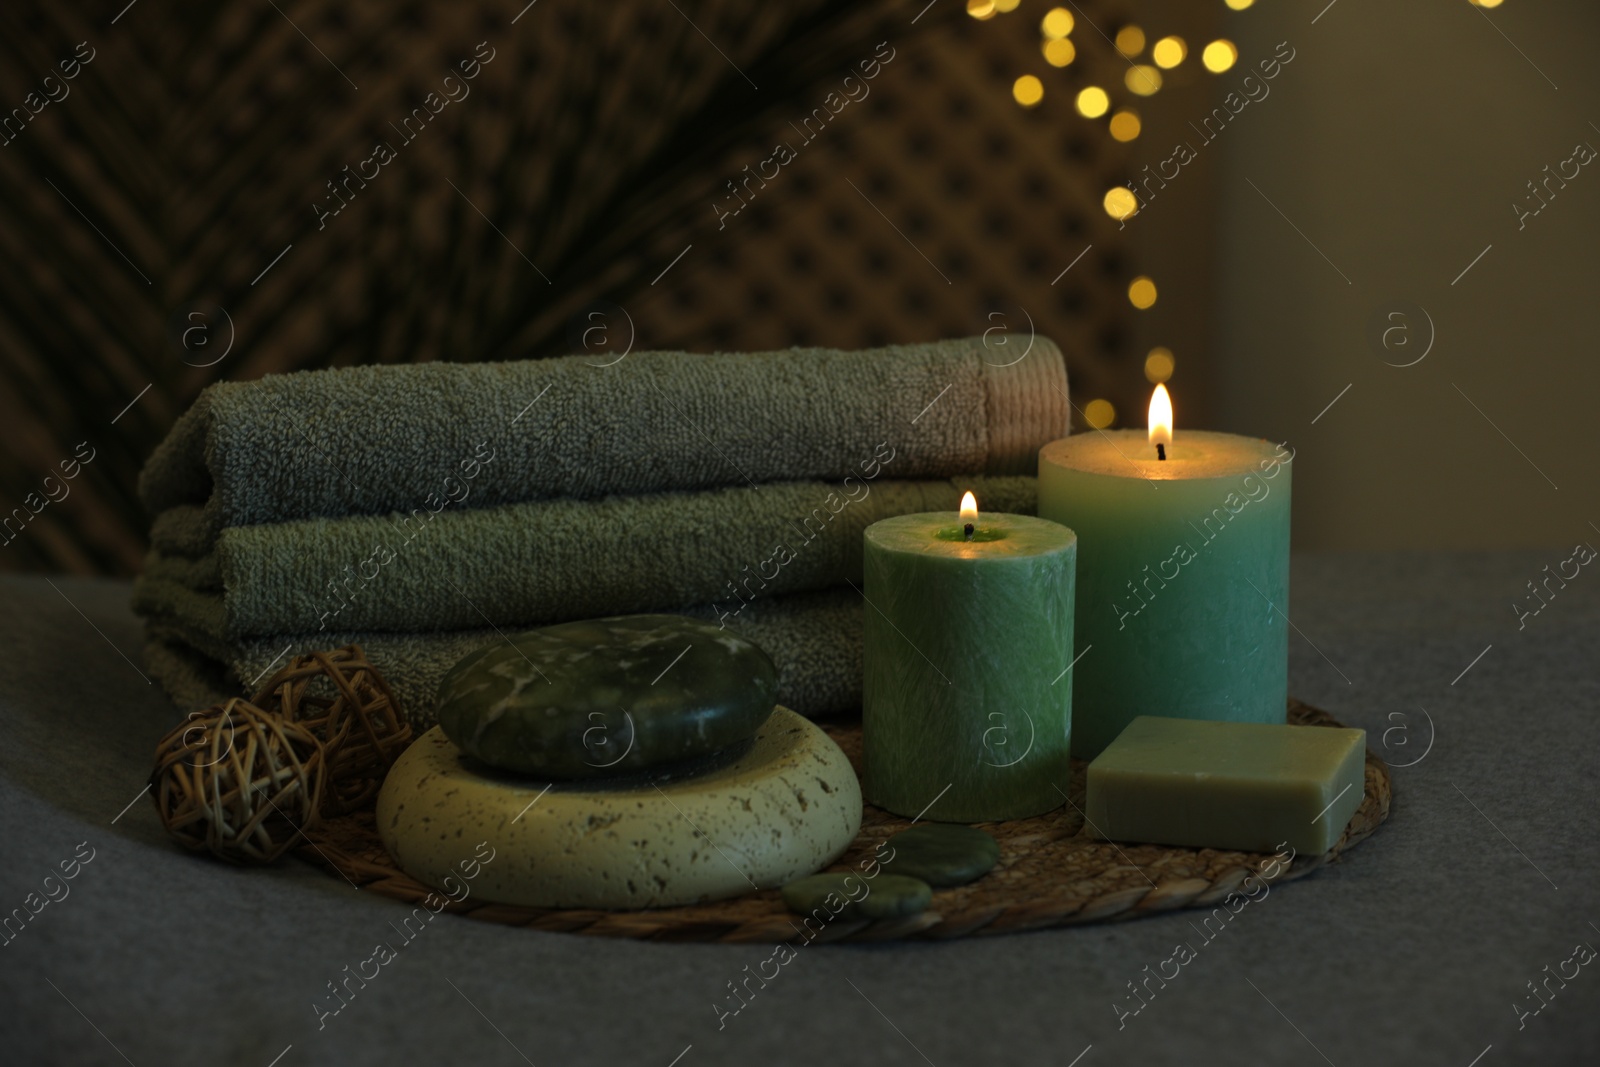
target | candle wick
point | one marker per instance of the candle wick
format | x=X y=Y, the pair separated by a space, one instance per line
x=1161 y=450
x=968 y=529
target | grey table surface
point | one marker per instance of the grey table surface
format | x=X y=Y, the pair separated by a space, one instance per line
x=1417 y=949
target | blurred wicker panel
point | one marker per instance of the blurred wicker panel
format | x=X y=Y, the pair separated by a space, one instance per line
x=190 y=152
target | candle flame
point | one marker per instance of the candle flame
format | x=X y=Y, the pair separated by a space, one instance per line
x=969 y=508
x=1160 y=416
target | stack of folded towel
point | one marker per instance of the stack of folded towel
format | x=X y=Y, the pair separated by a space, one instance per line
x=424 y=510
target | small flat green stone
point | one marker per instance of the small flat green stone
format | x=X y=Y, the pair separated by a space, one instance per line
x=890 y=896
x=811 y=893
x=827 y=896
x=605 y=697
x=943 y=854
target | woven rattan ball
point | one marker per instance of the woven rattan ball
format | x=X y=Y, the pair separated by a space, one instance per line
x=342 y=699
x=238 y=782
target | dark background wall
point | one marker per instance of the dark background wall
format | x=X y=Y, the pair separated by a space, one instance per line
x=1397 y=143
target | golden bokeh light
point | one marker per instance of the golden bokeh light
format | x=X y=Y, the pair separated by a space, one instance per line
x=1219 y=55
x=1099 y=414
x=1130 y=41
x=1120 y=202
x=981 y=9
x=1485 y=3
x=1004 y=6
x=1159 y=364
x=1142 y=80
x=1093 y=102
x=1240 y=5
x=1141 y=292
x=1058 y=52
x=1125 y=124
x=1057 y=22
x=1169 y=52
x=1027 y=90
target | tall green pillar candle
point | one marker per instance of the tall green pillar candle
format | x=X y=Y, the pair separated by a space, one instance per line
x=1183 y=581
x=967 y=707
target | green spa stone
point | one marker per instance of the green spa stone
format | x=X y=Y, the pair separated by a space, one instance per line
x=604 y=697
x=943 y=854
x=888 y=896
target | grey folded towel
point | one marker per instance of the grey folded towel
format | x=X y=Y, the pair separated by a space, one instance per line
x=372 y=440
x=549 y=561
x=814 y=638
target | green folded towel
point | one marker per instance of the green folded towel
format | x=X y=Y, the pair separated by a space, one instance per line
x=372 y=440
x=549 y=561
x=814 y=638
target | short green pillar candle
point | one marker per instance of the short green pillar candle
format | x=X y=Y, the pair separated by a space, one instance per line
x=1183 y=588
x=967 y=707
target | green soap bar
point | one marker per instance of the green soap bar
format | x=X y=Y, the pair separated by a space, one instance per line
x=1230 y=785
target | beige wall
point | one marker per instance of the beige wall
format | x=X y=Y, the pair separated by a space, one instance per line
x=1397 y=140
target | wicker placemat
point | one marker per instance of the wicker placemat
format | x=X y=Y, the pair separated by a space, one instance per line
x=1050 y=874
